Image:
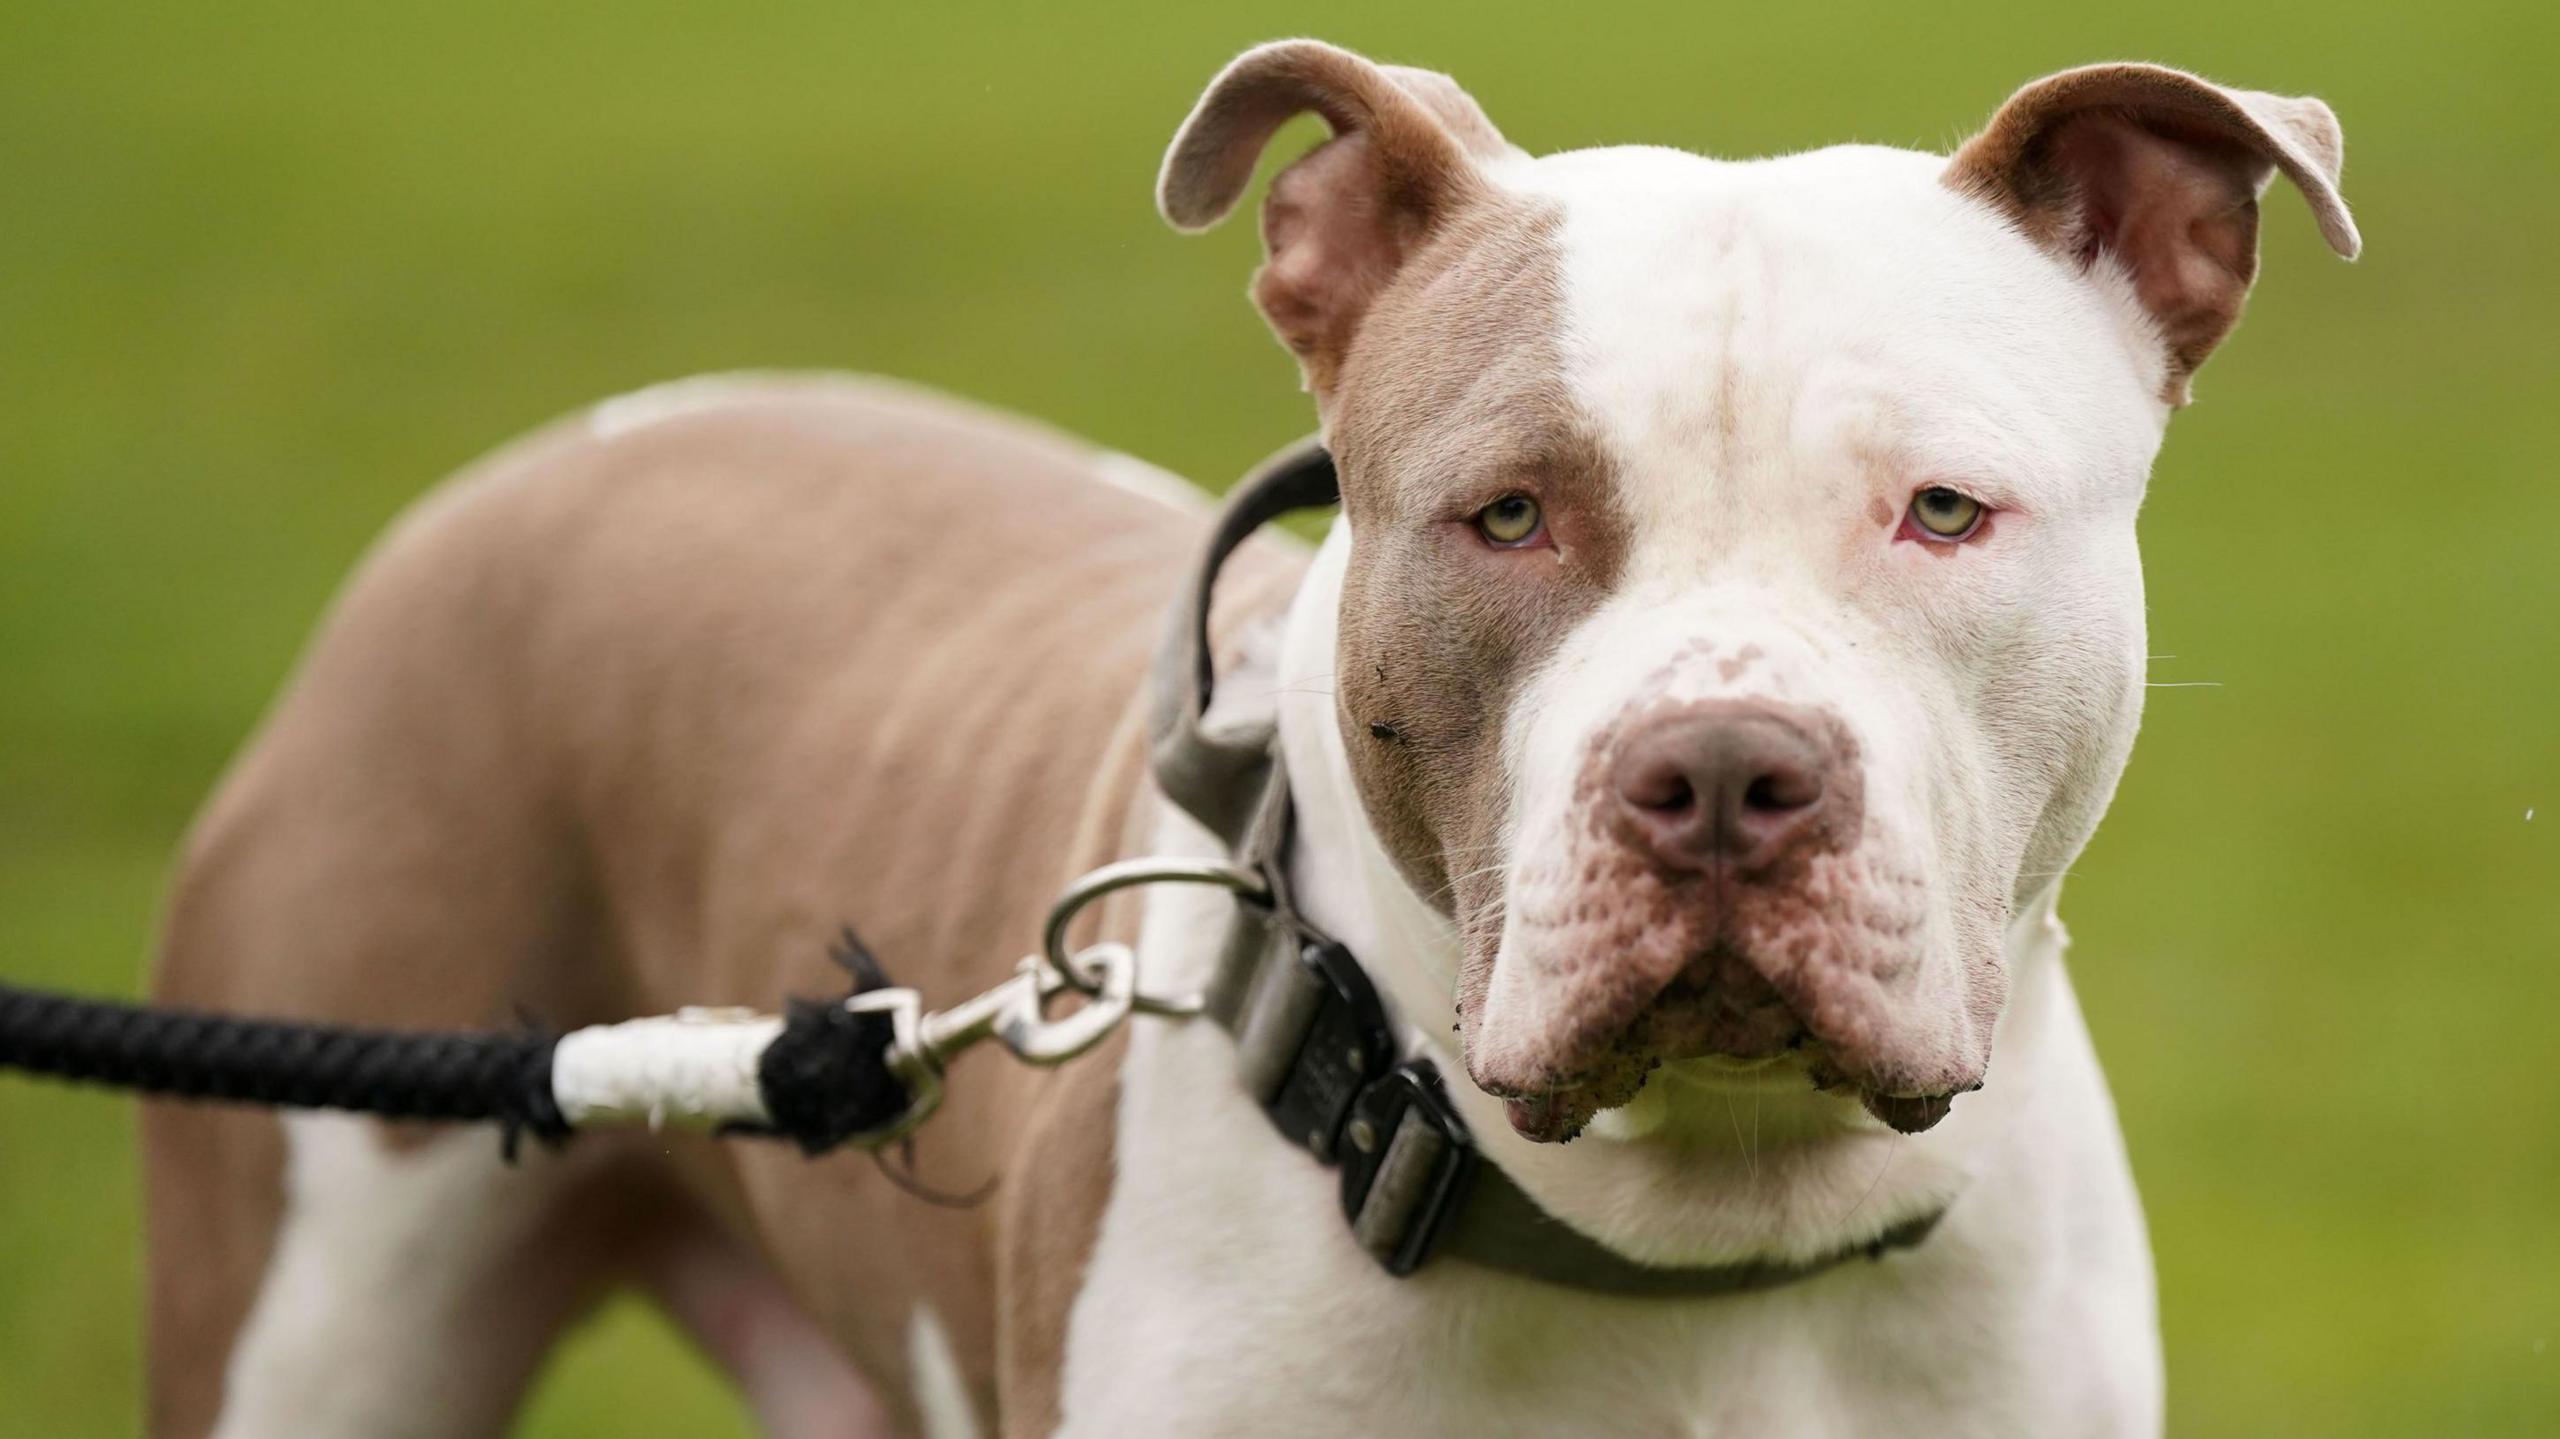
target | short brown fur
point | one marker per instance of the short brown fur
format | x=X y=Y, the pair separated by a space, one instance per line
x=627 y=722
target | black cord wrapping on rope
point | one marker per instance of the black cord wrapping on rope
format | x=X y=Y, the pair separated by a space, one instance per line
x=189 y=1054
x=826 y=1077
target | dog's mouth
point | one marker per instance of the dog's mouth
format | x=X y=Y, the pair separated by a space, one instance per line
x=1559 y=1113
x=1719 y=1020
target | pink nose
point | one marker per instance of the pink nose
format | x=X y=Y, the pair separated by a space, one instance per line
x=1743 y=782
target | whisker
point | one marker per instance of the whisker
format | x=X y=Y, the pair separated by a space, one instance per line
x=1458 y=879
x=1890 y=1151
x=1750 y=1154
x=1755 y=1132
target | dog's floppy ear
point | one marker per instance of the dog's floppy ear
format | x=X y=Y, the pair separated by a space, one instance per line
x=2160 y=172
x=1342 y=220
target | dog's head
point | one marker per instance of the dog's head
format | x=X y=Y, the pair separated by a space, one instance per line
x=1743 y=614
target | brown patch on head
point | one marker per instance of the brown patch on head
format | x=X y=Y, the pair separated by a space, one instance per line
x=1424 y=303
x=1454 y=397
x=2161 y=171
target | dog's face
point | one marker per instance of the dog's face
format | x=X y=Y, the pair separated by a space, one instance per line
x=1743 y=612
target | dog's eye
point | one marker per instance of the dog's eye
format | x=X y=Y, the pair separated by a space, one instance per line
x=1510 y=522
x=1945 y=513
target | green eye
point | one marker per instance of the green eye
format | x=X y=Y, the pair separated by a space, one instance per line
x=1511 y=520
x=1945 y=513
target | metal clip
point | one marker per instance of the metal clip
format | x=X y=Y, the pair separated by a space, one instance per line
x=1126 y=874
x=1015 y=1014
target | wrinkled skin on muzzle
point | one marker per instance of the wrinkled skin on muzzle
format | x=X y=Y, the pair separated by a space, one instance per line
x=1811 y=926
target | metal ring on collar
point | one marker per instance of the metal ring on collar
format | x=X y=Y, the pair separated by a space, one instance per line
x=1128 y=874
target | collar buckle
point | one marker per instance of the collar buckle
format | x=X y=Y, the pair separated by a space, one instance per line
x=1310 y=1034
x=1407 y=1165
x=1314 y=1050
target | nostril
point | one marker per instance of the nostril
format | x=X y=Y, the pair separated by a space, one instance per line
x=1654 y=783
x=1781 y=791
x=1668 y=794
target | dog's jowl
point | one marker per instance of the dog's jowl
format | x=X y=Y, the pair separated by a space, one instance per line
x=1732 y=631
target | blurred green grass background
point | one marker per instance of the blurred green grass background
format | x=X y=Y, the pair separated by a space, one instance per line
x=268 y=271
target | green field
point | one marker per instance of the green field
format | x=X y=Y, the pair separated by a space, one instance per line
x=266 y=272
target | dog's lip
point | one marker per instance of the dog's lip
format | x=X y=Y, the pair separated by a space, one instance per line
x=1559 y=1109
x=1555 y=1105
x=1559 y=1112
x=1906 y=1113
x=1607 y=1071
x=1549 y=1118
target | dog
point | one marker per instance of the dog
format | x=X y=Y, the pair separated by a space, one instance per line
x=1732 y=631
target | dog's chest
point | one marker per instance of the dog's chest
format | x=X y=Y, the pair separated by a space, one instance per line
x=1224 y=1294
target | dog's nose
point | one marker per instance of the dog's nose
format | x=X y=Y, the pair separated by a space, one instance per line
x=1747 y=782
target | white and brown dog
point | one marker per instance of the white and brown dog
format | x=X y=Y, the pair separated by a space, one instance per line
x=1733 y=630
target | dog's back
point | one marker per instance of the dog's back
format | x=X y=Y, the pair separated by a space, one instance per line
x=640 y=715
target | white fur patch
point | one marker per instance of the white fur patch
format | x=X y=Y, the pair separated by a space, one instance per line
x=941 y=1394
x=374 y=1262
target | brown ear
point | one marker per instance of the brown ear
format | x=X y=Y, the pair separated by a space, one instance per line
x=2160 y=172
x=1341 y=221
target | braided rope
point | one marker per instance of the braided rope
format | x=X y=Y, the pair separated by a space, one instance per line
x=188 y=1054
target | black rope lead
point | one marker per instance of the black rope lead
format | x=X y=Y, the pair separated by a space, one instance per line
x=190 y=1054
x=823 y=1080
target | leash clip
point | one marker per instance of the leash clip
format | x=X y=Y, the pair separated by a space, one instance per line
x=1128 y=874
x=1015 y=1013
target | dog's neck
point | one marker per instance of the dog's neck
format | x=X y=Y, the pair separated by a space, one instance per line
x=1690 y=1172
